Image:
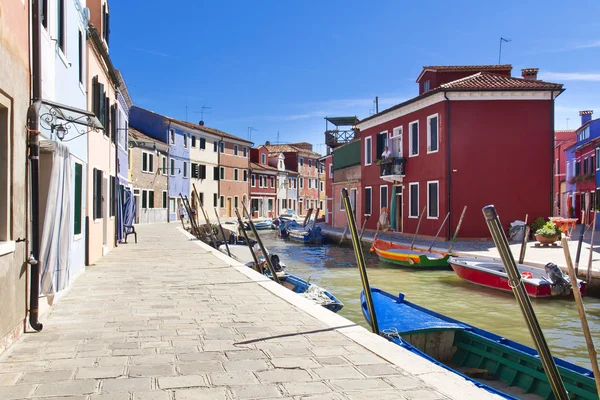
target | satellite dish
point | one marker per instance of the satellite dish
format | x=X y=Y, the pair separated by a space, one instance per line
x=201 y=123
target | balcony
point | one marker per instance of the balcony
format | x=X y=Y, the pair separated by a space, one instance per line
x=392 y=169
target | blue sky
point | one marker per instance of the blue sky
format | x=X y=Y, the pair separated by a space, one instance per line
x=284 y=65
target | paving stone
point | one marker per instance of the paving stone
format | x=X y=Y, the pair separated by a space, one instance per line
x=232 y=378
x=359 y=384
x=67 y=388
x=16 y=391
x=405 y=382
x=365 y=358
x=99 y=372
x=378 y=369
x=45 y=376
x=295 y=362
x=72 y=363
x=6 y=367
x=284 y=375
x=423 y=394
x=151 y=370
x=109 y=396
x=245 y=365
x=112 y=361
x=337 y=372
x=9 y=379
x=126 y=385
x=255 y=391
x=153 y=359
x=334 y=360
x=245 y=355
x=177 y=382
x=153 y=395
x=302 y=388
x=200 y=367
x=201 y=394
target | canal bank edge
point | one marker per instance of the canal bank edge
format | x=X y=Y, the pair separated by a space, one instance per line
x=433 y=375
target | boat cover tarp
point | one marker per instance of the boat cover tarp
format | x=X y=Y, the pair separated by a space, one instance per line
x=404 y=317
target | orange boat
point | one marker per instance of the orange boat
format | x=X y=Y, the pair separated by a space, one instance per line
x=403 y=255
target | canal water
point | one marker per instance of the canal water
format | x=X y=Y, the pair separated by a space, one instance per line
x=334 y=268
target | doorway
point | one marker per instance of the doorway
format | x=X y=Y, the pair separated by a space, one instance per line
x=353 y=192
x=300 y=206
x=229 y=206
x=399 y=204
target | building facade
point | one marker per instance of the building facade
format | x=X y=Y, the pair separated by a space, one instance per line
x=449 y=137
x=150 y=178
x=347 y=174
x=562 y=140
x=234 y=174
x=14 y=102
x=204 y=173
x=322 y=204
x=327 y=162
x=264 y=183
x=283 y=183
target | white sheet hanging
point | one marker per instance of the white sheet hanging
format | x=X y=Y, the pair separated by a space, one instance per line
x=57 y=232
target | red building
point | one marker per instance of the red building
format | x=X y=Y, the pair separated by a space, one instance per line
x=585 y=178
x=473 y=136
x=562 y=140
x=263 y=183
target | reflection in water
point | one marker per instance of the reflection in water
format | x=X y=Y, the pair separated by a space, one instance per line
x=334 y=268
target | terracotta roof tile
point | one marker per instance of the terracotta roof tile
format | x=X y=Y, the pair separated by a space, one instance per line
x=257 y=166
x=287 y=148
x=489 y=81
x=139 y=135
x=469 y=67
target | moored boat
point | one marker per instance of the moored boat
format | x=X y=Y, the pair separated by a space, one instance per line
x=260 y=224
x=295 y=231
x=491 y=273
x=494 y=363
x=403 y=255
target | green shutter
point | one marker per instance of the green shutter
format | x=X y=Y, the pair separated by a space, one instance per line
x=78 y=195
x=347 y=155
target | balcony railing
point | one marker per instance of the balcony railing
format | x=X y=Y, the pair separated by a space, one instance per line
x=393 y=168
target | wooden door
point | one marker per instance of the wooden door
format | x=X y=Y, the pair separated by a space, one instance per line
x=229 y=206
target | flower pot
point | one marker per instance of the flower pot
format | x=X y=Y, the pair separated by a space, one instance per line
x=546 y=240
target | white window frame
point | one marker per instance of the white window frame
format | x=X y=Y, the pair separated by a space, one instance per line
x=245 y=152
x=310 y=183
x=236 y=174
x=263 y=158
x=387 y=195
x=164 y=165
x=235 y=150
x=429 y=151
x=438 y=200
x=410 y=185
x=185 y=140
x=369 y=154
x=222 y=147
x=172 y=137
x=426 y=86
x=7 y=244
x=148 y=155
x=567 y=174
x=172 y=166
x=331 y=171
x=370 y=198
x=410 y=138
x=271 y=181
x=556 y=170
x=301 y=183
x=397 y=133
x=301 y=161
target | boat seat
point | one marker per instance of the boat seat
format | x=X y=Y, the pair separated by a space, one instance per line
x=431 y=256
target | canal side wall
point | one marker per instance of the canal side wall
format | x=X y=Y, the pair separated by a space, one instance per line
x=444 y=381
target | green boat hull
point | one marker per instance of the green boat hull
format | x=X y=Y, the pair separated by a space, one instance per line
x=424 y=262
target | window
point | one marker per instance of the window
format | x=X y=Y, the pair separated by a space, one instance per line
x=433 y=199
x=301 y=161
x=222 y=202
x=193 y=141
x=235 y=201
x=272 y=182
x=78 y=198
x=235 y=149
x=202 y=171
x=98 y=102
x=245 y=153
x=382 y=139
x=222 y=173
x=164 y=165
x=172 y=136
x=216 y=173
x=301 y=183
x=185 y=169
x=270 y=204
x=309 y=183
x=97 y=184
x=222 y=147
x=322 y=186
x=185 y=140
x=260 y=181
x=263 y=158
x=80 y=58
x=413 y=139
x=144 y=199
x=253 y=180
x=215 y=200
x=164 y=199
x=368 y=153
x=307 y=204
x=215 y=145
x=172 y=167
x=568 y=172
x=316 y=184
x=577 y=168
x=281 y=164
x=201 y=198
x=426 y=86
x=368 y=200
x=44 y=12
x=195 y=171
x=147 y=162
x=383 y=199
x=309 y=163
x=331 y=171
x=413 y=207
x=396 y=145
x=112 y=196
x=236 y=172
x=585 y=166
x=597 y=158
x=106 y=23
x=321 y=204
x=245 y=176
x=147 y=198
x=432 y=134
x=172 y=204
x=556 y=167
x=61 y=31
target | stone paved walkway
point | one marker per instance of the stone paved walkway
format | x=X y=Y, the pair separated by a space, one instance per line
x=167 y=319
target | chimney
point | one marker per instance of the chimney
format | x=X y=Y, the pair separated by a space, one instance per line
x=267 y=143
x=530 y=74
x=586 y=116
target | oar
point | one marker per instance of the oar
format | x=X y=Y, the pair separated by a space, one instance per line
x=262 y=246
x=457 y=229
x=516 y=283
x=412 y=244
x=360 y=259
x=524 y=242
x=578 y=254
x=589 y=270
x=256 y=262
x=438 y=232
x=584 y=323
x=222 y=233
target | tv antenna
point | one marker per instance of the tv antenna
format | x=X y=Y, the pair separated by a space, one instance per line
x=204 y=108
x=278 y=137
x=500 y=52
x=250 y=129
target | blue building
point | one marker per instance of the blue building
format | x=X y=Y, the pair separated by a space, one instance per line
x=177 y=166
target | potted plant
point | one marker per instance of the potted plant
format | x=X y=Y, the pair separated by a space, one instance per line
x=548 y=234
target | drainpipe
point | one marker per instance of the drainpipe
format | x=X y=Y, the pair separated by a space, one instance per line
x=448 y=165
x=116 y=188
x=33 y=115
x=169 y=175
x=219 y=170
x=552 y=153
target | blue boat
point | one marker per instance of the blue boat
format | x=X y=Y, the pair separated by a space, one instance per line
x=294 y=231
x=313 y=292
x=504 y=367
x=260 y=225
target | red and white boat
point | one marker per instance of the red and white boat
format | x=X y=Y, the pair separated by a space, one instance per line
x=491 y=273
